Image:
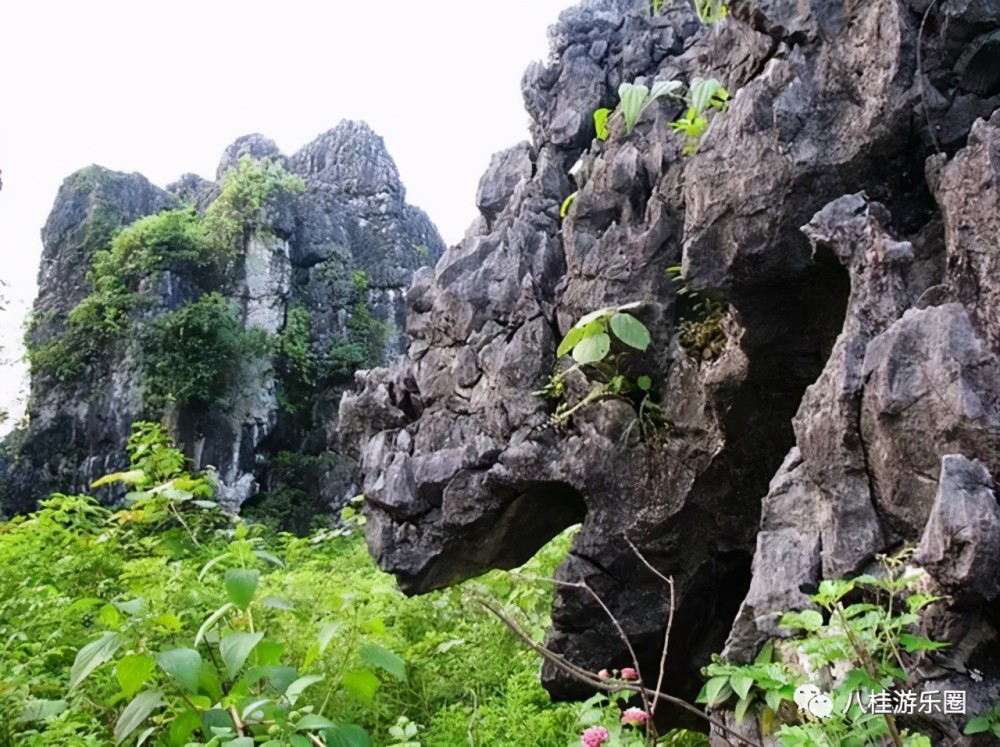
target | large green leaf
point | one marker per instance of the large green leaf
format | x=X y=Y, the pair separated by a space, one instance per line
x=183 y=664
x=703 y=91
x=630 y=330
x=91 y=656
x=236 y=648
x=383 y=658
x=135 y=713
x=592 y=349
x=362 y=683
x=810 y=620
x=741 y=684
x=567 y=204
x=313 y=722
x=295 y=689
x=276 y=679
x=663 y=88
x=741 y=708
x=346 y=735
x=241 y=585
x=182 y=727
x=39 y=710
x=632 y=97
x=134 y=671
x=601 y=123
x=569 y=341
x=211 y=621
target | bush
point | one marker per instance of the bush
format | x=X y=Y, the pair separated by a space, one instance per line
x=190 y=356
x=108 y=615
x=245 y=191
x=173 y=240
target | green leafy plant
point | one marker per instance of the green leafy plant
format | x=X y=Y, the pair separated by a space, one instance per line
x=703 y=96
x=246 y=189
x=190 y=356
x=702 y=324
x=116 y=599
x=984 y=723
x=869 y=641
x=710 y=11
x=589 y=342
x=636 y=98
x=567 y=204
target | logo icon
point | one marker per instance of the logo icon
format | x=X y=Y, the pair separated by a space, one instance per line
x=814 y=701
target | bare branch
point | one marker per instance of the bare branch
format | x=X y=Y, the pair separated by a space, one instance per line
x=670 y=623
x=594 y=681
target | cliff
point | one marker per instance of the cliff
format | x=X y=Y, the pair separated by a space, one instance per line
x=310 y=256
x=823 y=376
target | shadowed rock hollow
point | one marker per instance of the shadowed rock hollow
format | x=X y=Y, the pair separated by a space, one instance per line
x=844 y=211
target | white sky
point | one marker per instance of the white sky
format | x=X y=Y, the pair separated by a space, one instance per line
x=163 y=88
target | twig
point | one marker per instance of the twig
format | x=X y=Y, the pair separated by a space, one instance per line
x=236 y=720
x=670 y=622
x=621 y=634
x=598 y=684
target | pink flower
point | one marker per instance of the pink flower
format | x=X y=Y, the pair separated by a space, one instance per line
x=604 y=674
x=634 y=716
x=629 y=674
x=595 y=736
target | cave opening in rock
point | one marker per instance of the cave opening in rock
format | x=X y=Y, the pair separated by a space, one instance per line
x=540 y=512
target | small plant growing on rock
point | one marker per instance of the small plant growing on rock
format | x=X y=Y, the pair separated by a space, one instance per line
x=864 y=647
x=704 y=95
x=702 y=330
x=589 y=342
x=710 y=11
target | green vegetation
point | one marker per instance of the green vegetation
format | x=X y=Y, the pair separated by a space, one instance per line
x=190 y=355
x=176 y=240
x=305 y=366
x=169 y=623
x=702 y=96
x=591 y=345
x=865 y=646
x=705 y=94
x=291 y=500
x=708 y=11
x=245 y=191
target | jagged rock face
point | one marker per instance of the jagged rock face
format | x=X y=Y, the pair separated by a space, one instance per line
x=859 y=351
x=352 y=216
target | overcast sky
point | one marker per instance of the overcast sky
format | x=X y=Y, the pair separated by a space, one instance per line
x=163 y=88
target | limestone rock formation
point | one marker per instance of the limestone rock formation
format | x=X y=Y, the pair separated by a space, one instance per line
x=840 y=223
x=304 y=255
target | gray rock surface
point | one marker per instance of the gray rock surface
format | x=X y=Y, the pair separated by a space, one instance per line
x=861 y=331
x=352 y=217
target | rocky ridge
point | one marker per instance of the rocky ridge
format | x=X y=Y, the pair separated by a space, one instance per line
x=352 y=216
x=844 y=212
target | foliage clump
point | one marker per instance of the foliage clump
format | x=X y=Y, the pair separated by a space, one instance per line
x=245 y=190
x=168 y=623
x=603 y=343
x=306 y=366
x=191 y=355
x=175 y=240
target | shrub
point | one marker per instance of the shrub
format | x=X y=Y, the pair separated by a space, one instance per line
x=172 y=240
x=245 y=191
x=141 y=631
x=191 y=356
